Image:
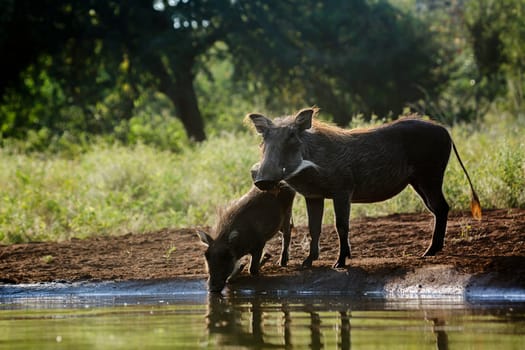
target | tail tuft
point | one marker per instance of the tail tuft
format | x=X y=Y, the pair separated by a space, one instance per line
x=475 y=206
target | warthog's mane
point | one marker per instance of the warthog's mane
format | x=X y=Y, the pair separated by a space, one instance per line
x=226 y=216
x=332 y=130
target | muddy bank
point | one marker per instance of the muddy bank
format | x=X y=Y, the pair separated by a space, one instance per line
x=438 y=281
x=394 y=281
x=484 y=256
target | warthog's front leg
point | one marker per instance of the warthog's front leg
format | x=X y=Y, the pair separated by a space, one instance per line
x=342 y=217
x=256 y=260
x=286 y=230
x=314 y=207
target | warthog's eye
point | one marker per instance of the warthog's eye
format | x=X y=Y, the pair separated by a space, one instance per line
x=292 y=138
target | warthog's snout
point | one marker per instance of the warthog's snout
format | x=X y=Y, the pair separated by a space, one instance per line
x=262 y=182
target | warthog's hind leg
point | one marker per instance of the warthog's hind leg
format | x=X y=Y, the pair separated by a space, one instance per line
x=435 y=201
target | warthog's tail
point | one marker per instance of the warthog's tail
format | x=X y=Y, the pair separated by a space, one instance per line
x=475 y=206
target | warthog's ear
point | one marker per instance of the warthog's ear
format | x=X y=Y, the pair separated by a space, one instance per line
x=303 y=118
x=234 y=235
x=260 y=122
x=205 y=238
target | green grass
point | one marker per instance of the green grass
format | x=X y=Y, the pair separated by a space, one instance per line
x=113 y=189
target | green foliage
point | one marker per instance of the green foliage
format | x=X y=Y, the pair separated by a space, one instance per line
x=490 y=35
x=481 y=57
x=346 y=57
x=90 y=73
x=502 y=169
x=96 y=73
x=152 y=124
x=223 y=101
x=512 y=172
x=217 y=172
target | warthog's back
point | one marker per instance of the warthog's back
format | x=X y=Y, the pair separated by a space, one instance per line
x=418 y=144
x=375 y=164
x=258 y=213
x=421 y=140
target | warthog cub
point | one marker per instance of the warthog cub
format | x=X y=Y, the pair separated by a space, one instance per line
x=244 y=228
x=360 y=166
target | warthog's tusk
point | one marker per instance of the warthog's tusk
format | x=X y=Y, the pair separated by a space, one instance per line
x=239 y=266
x=305 y=164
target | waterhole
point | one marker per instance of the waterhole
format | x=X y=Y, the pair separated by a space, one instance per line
x=167 y=315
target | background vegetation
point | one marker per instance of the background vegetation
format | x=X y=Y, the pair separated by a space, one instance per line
x=127 y=116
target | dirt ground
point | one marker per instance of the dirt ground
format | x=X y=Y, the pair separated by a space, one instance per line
x=384 y=245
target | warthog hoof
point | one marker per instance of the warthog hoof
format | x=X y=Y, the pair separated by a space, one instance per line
x=341 y=261
x=340 y=265
x=307 y=263
x=431 y=251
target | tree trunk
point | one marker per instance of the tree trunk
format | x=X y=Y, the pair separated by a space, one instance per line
x=185 y=101
x=182 y=93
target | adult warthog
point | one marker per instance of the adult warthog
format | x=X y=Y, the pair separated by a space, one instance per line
x=360 y=166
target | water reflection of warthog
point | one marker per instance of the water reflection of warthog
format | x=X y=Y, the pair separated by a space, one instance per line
x=256 y=323
x=225 y=320
x=243 y=324
x=244 y=228
x=356 y=166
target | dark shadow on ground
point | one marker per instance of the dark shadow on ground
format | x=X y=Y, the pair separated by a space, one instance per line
x=499 y=273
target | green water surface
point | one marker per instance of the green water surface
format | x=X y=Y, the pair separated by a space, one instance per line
x=261 y=323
